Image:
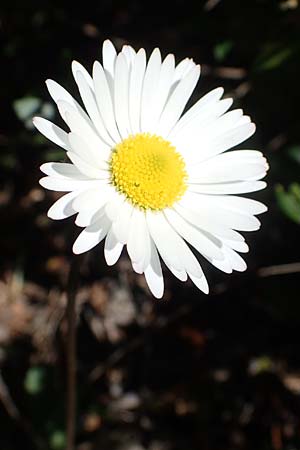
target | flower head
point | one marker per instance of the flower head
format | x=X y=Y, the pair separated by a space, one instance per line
x=145 y=175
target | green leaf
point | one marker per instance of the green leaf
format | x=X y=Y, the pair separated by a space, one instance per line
x=289 y=201
x=57 y=440
x=34 y=380
x=273 y=56
x=294 y=153
x=222 y=50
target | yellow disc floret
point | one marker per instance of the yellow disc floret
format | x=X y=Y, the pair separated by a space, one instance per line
x=149 y=171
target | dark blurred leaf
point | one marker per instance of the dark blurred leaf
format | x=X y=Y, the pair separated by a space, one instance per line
x=222 y=50
x=57 y=440
x=294 y=153
x=34 y=380
x=289 y=201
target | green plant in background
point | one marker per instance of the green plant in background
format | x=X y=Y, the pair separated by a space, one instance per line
x=289 y=201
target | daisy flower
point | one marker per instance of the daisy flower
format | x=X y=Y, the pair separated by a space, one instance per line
x=146 y=175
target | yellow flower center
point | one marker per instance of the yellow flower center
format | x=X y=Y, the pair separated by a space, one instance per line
x=148 y=171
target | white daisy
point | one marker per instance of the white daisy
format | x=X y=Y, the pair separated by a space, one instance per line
x=145 y=175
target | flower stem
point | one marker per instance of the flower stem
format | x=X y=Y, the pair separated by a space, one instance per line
x=72 y=286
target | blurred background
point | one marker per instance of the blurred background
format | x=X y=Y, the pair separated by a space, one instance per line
x=217 y=372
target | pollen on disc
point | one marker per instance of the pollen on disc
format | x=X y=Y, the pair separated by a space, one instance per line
x=149 y=171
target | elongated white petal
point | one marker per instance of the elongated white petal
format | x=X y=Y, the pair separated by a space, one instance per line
x=113 y=205
x=206 y=222
x=83 y=129
x=137 y=235
x=193 y=136
x=92 y=199
x=85 y=151
x=236 y=261
x=112 y=248
x=150 y=84
x=200 y=282
x=121 y=92
x=201 y=241
x=59 y=94
x=87 y=169
x=122 y=222
x=78 y=68
x=52 y=132
x=91 y=236
x=89 y=100
x=153 y=273
x=109 y=55
x=66 y=184
x=162 y=90
x=63 y=170
x=200 y=109
x=236 y=187
x=177 y=102
x=182 y=69
x=129 y=53
x=240 y=204
x=135 y=90
x=159 y=229
x=63 y=208
x=228 y=140
x=104 y=101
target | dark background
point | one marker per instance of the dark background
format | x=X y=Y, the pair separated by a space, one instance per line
x=217 y=372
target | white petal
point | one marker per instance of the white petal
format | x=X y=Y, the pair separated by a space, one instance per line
x=92 y=199
x=228 y=140
x=235 y=260
x=121 y=92
x=59 y=94
x=104 y=101
x=200 y=282
x=163 y=88
x=206 y=222
x=137 y=236
x=129 y=53
x=63 y=208
x=202 y=107
x=91 y=236
x=181 y=275
x=182 y=69
x=149 y=90
x=240 y=204
x=193 y=136
x=66 y=184
x=112 y=248
x=223 y=265
x=205 y=207
x=84 y=130
x=238 y=246
x=52 y=132
x=205 y=243
x=236 y=187
x=90 y=104
x=121 y=224
x=153 y=273
x=78 y=68
x=159 y=229
x=87 y=169
x=84 y=150
x=135 y=90
x=109 y=56
x=113 y=205
x=177 y=101
x=63 y=170
x=225 y=168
